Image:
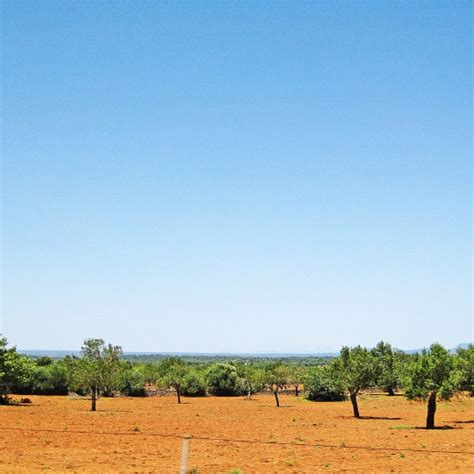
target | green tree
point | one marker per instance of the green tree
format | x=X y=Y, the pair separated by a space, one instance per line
x=251 y=378
x=276 y=377
x=222 y=379
x=431 y=375
x=131 y=380
x=151 y=373
x=321 y=385
x=15 y=370
x=355 y=368
x=385 y=371
x=43 y=361
x=193 y=384
x=295 y=377
x=50 y=379
x=98 y=369
x=174 y=376
x=466 y=365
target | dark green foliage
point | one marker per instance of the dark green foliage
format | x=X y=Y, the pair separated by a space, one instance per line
x=356 y=370
x=385 y=369
x=252 y=377
x=277 y=375
x=321 y=385
x=15 y=370
x=43 y=361
x=433 y=370
x=131 y=381
x=98 y=369
x=431 y=375
x=222 y=380
x=174 y=371
x=194 y=384
x=50 y=379
x=151 y=373
x=465 y=364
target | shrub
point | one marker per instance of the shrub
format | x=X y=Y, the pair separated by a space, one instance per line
x=222 y=380
x=50 y=379
x=15 y=370
x=193 y=385
x=321 y=385
x=132 y=382
x=465 y=362
x=43 y=361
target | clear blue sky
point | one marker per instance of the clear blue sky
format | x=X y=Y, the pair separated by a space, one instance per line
x=236 y=176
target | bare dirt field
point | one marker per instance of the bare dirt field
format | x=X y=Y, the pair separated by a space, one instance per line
x=60 y=434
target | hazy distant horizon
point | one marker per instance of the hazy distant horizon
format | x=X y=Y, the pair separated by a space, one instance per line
x=56 y=352
x=236 y=176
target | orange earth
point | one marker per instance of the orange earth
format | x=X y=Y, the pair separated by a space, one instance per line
x=60 y=434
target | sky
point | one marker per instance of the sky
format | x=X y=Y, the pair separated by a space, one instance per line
x=236 y=176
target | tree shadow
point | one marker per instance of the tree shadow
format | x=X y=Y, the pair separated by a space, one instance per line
x=352 y=417
x=18 y=404
x=443 y=427
x=379 y=418
x=101 y=410
x=461 y=421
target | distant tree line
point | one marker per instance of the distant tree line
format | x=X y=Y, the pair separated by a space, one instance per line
x=431 y=375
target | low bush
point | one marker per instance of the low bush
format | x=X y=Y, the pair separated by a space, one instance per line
x=320 y=384
x=132 y=382
x=222 y=380
x=193 y=385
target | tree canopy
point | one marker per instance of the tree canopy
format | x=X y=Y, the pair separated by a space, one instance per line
x=430 y=375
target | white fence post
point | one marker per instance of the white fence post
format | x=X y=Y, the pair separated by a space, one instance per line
x=184 y=453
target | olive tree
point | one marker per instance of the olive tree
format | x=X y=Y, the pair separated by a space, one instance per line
x=355 y=368
x=431 y=375
x=175 y=371
x=15 y=370
x=385 y=369
x=297 y=374
x=98 y=368
x=252 y=379
x=276 y=376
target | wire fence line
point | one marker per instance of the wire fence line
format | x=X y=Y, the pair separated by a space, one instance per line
x=239 y=440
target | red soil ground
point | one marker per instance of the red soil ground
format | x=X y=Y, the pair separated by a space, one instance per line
x=60 y=434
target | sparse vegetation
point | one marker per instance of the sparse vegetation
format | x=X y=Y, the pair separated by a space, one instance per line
x=430 y=375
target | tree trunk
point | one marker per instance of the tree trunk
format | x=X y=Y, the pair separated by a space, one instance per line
x=390 y=391
x=430 y=419
x=94 y=398
x=178 y=395
x=275 y=392
x=297 y=392
x=355 y=407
